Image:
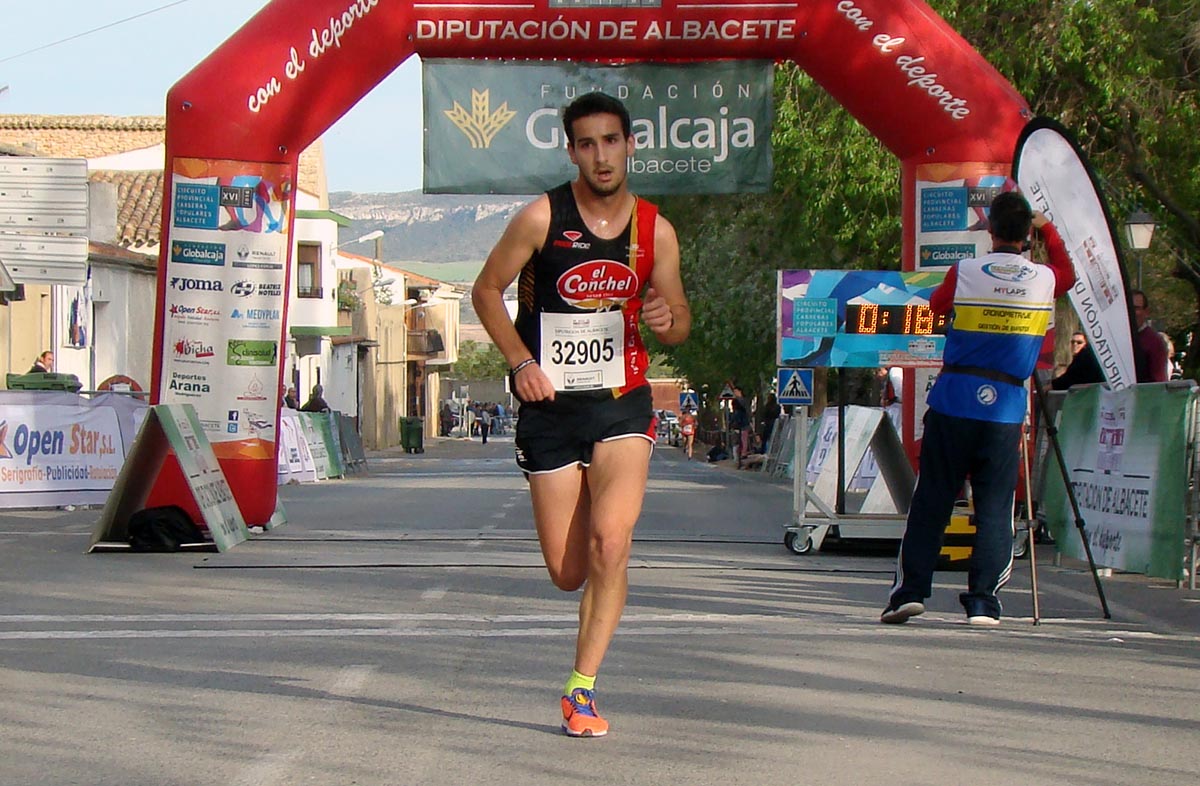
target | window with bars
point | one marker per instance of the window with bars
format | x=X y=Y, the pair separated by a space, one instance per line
x=308 y=270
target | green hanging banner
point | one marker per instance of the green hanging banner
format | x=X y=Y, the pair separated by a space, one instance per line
x=494 y=127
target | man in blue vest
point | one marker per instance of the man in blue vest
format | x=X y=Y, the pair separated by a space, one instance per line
x=1002 y=305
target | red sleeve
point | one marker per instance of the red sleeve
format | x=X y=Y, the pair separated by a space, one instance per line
x=942 y=299
x=1060 y=260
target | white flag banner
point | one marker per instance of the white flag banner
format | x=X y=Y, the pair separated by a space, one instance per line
x=1055 y=177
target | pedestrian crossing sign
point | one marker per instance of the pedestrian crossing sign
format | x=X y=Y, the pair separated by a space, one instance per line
x=687 y=400
x=795 y=386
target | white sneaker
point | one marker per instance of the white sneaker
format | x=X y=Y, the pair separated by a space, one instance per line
x=901 y=614
x=983 y=620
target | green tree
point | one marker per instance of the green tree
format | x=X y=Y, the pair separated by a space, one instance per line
x=834 y=204
x=479 y=361
x=1122 y=75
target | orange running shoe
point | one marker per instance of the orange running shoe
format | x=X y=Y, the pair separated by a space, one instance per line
x=580 y=718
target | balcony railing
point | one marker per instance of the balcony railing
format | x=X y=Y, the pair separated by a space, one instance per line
x=311 y=292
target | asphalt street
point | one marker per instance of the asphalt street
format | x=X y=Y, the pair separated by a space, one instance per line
x=400 y=629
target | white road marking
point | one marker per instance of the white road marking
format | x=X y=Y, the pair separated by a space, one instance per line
x=94 y=635
x=434 y=593
x=432 y=625
x=372 y=617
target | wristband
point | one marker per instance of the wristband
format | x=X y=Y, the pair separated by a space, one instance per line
x=517 y=368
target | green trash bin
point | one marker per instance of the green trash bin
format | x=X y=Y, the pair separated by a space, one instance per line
x=44 y=381
x=412 y=432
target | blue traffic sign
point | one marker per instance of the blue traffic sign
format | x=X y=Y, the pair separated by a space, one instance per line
x=687 y=400
x=795 y=386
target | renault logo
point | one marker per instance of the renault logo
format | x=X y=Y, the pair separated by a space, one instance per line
x=481 y=124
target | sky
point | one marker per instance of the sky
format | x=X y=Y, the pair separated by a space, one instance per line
x=136 y=53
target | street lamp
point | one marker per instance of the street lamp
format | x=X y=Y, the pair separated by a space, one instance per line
x=1139 y=230
x=378 y=233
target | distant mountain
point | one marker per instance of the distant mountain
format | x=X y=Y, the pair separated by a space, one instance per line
x=432 y=228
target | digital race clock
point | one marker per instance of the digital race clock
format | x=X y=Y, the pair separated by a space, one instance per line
x=859 y=319
x=906 y=320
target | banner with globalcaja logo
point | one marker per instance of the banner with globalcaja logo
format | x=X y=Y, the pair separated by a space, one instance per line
x=62 y=449
x=224 y=299
x=952 y=204
x=1127 y=455
x=494 y=127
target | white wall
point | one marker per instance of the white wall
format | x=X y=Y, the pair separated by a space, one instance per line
x=123 y=327
x=314 y=311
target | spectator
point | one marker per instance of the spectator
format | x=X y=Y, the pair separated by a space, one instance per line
x=767 y=415
x=739 y=421
x=316 y=403
x=289 y=398
x=1150 y=351
x=43 y=365
x=1174 y=370
x=1084 y=368
x=485 y=422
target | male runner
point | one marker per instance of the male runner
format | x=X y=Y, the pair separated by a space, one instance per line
x=585 y=252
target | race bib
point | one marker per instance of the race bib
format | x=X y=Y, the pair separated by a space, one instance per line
x=584 y=351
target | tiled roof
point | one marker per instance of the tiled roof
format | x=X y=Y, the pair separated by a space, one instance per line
x=81 y=136
x=139 y=194
x=139 y=205
x=107 y=252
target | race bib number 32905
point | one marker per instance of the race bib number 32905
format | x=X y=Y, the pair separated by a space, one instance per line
x=583 y=351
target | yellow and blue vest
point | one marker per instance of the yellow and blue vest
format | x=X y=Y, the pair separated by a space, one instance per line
x=1003 y=304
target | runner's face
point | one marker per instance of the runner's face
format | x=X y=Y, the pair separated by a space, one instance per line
x=601 y=151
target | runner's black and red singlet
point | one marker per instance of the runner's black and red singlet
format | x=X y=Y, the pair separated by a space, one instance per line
x=579 y=298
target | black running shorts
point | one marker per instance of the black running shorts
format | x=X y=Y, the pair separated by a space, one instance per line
x=555 y=434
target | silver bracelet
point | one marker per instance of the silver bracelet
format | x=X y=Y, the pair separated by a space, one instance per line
x=517 y=368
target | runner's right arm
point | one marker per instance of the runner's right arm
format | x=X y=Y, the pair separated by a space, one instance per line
x=525 y=234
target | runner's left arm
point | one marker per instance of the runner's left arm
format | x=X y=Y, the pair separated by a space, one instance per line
x=665 y=309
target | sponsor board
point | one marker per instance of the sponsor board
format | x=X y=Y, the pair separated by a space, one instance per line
x=251 y=352
x=53 y=449
x=698 y=127
x=246 y=289
x=263 y=318
x=254 y=258
x=194 y=315
x=940 y=254
x=190 y=252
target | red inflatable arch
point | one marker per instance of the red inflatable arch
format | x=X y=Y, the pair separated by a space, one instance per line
x=295 y=68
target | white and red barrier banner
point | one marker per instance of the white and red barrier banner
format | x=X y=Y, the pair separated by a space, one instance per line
x=63 y=453
x=1057 y=180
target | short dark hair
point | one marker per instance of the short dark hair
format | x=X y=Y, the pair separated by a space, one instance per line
x=594 y=103
x=1145 y=300
x=1010 y=217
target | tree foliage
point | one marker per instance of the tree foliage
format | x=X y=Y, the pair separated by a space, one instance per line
x=479 y=361
x=1122 y=75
